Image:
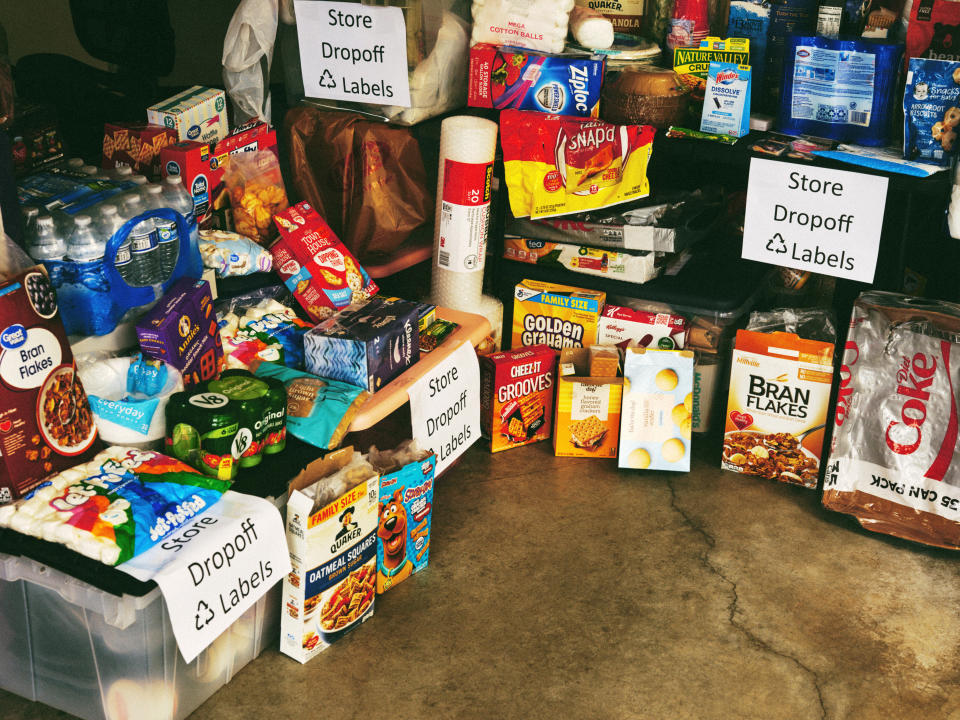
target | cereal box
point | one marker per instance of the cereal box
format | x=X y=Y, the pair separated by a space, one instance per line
x=45 y=420
x=331 y=587
x=588 y=408
x=138 y=146
x=625 y=327
x=656 y=418
x=692 y=64
x=198 y=113
x=403 y=531
x=777 y=407
x=316 y=267
x=555 y=315
x=516 y=396
x=182 y=330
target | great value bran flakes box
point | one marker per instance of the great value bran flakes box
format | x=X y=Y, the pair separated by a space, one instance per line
x=558 y=316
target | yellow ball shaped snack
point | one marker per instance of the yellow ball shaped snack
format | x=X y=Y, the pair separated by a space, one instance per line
x=680 y=414
x=667 y=379
x=639 y=459
x=673 y=450
x=688 y=400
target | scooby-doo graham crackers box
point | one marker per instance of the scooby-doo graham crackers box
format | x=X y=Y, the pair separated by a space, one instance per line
x=332 y=538
x=406 y=504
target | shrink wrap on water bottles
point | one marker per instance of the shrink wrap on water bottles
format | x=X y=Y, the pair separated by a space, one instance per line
x=467 y=147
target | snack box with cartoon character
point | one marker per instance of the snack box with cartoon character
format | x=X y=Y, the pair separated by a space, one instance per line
x=198 y=113
x=516 y=396
x=182 y=331
x=316 y=267
x=588 y=405
x=403 y=531
x=45 y=421
x=555 y=315
x=331 y=587
x=365 y=345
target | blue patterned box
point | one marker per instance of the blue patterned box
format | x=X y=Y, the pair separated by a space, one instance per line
x=366 y=345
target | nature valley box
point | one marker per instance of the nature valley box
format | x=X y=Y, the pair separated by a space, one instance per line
x=333 y=553
x=588 y=409
x=555 y=315
x=692 y=64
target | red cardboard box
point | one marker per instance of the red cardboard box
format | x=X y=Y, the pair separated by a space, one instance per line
x=138 y=146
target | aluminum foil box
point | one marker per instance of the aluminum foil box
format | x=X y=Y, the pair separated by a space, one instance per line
x=365 y=345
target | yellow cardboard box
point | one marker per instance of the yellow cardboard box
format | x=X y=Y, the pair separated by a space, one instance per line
x=588 y=409
x=559 y=316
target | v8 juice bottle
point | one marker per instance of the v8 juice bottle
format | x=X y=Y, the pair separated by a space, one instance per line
x=201 y=429
x=248 y=396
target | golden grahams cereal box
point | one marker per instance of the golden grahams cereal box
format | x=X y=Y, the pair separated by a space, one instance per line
x=555 y=315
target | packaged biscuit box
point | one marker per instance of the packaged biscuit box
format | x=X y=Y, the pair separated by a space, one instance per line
x=315 y=266
x=516 y=396
x=45 y=421
x=692 y=64
x=137 y=146
x=626 y=327
x=198 y=113
x=332 y=515
x=406 y=504
x=777 y=406
x=588 y=403
x=656 y=418
x=555 y=315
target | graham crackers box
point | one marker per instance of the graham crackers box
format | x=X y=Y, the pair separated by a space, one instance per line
x=588 y=407
x=516 y=396
x=558 y=316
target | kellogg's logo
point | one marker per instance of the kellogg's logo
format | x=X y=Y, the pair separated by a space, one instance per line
x=193 y=133
x=725 y=77
x=13 y=337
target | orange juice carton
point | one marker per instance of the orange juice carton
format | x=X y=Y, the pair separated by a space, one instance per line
x=588 y=404
x=555 y=315
x=516 y=396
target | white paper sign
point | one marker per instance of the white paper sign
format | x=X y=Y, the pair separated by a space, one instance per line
x=213 y=569
x=809 y=218
x=353 y=52
x=445 y=406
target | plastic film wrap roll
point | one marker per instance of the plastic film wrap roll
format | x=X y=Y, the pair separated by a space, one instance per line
x=467 y=147
x=492 y=309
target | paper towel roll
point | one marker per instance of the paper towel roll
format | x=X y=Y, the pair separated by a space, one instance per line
x=467 y=147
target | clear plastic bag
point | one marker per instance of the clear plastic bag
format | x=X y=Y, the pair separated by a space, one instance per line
x=256 y=192
x=247 y=57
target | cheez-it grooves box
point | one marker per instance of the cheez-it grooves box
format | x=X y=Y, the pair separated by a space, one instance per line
x=516 y=396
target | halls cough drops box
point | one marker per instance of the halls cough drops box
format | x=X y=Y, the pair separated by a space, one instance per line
x=555 y=315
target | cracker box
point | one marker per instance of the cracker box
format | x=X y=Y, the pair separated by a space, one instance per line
x=516 y=396
x=45 y=421
x=555 y=315
x=777 y=406
x=198 y=113
x=182 y=330
x=365 y=345
x=656 y=416
x=138 y=146
x=588 y=408
x=403 y=530
x=331 y=587
x=626 y=327
x=316 y=267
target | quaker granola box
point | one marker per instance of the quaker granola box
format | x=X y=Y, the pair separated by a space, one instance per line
x=45 y=421
x=516 y=396
x=555 y=315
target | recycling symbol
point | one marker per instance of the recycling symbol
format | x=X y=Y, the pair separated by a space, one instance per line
x=327 y=80
x=204 y=615
x=777 y=244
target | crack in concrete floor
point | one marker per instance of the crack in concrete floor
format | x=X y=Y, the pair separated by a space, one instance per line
x=733 y=607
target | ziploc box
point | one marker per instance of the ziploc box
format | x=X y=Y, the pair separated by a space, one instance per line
x=513 y=77
x=198 y=113
x=365 y=345
x=333 y=554
x=726 y=106
x=588 y=408
x=403 y=530
x=516 y=396
x=657 y=413
x=555 y=315
x=182 y=330
x=626 y=327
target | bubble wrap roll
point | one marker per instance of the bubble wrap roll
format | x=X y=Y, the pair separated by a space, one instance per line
x=467 y=147
x=492 y=309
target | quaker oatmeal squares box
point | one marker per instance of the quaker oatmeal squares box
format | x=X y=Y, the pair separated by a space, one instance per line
x=45 y=420
x=777 y=407
x=516 y=396
x=555 y=315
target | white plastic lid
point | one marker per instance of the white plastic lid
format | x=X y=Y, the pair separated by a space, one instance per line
x=82 y=220
x=172 y=179
x=108 y=210
x=133 y=200
x=45 y=221
x=154 y=189
x=89 y=169
x=123 y=171
x=138 y=179
x=30 y=212
x=75 y=162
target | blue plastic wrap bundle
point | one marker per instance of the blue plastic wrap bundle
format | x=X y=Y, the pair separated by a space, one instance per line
x=839 y=89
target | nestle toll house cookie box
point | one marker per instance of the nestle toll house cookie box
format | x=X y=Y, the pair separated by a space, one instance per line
x=558 y=316
x=333 y=553
x=516 y=396
x=588 y=403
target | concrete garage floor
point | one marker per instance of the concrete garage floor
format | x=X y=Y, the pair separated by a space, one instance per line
x=562 y=588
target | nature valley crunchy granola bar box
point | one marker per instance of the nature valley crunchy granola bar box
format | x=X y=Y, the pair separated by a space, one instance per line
x=516 y=396
x=588 y=408
x=555 y=315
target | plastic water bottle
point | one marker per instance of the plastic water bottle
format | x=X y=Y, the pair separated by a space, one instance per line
x=122 y=172
x=84 y=245
x=165 y=232
x=180 y=200
x=109 y=222
x=89 y=170
x=46 y=243
x=30 y=215
x=75 y=163
x=138 y=180
x=143 y=244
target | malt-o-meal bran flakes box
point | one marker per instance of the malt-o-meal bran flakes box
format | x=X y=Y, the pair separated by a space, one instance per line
x=516 y=396
x=558 y=316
